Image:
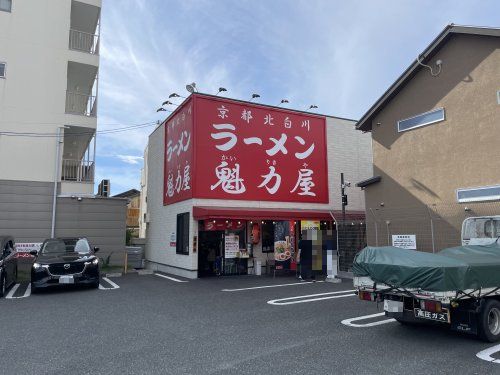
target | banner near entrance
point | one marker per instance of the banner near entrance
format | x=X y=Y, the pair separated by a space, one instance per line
x=282 y=245
x=179 y=155
x=231 y=246
x=250 y=152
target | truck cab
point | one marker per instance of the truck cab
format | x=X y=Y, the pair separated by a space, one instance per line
x=480 y=230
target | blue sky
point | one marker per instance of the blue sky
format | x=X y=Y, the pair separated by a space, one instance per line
x=338 y=55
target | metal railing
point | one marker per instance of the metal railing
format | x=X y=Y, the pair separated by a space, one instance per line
x=81 y=104
x=77 y=170
x=85 y=42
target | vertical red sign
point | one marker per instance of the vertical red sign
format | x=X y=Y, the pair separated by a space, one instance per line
x=252 y=152
x=179 y=140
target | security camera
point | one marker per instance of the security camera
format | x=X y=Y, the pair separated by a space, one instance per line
x=439 y=62
x=79 y=199
x=347 y=183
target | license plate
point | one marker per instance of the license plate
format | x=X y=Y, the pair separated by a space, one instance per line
x=66 y=280
x=393 y=306
x=429 y=315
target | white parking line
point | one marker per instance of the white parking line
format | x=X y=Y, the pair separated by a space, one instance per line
x=306 y=298
x=348 y=322
x=171 y=278
x=271 y=286
x=485 y=354
x=114 y=285
x=27 y=292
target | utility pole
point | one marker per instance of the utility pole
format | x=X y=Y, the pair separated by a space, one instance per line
x=344 y=195
x=343 y=185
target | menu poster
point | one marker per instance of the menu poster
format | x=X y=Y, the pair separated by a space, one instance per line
x=282 y=245
x=231 y=246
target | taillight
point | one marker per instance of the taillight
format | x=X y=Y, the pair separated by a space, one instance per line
x=432 y=306
x=365 y=296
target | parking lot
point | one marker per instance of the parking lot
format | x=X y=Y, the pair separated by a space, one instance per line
x=247 y=325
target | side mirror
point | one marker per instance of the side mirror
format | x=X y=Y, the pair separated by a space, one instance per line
x=96 y=249
x=34 y=252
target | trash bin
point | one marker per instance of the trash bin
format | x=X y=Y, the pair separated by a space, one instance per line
x=258 y=267
x=134 y=256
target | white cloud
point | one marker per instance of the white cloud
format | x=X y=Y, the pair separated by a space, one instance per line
x=130 y=159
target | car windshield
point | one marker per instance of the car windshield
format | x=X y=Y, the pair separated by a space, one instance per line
x=80 y=246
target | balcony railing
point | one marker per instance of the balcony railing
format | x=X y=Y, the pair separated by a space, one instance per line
x=77 y=170
x=81 y=104
x=85 y=42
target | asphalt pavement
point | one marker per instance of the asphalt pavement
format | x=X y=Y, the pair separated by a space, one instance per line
x=146 y=324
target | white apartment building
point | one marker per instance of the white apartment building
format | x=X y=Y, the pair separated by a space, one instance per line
x=49 y=54
x=49 y=68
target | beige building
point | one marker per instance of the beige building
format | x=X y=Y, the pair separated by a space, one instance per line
x=435 y=135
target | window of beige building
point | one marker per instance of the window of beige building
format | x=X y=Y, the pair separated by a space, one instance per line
x=423 y=119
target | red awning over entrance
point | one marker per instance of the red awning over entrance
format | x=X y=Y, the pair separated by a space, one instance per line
x=243 y=213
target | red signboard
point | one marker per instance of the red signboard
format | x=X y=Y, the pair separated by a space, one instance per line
x=251 y=152
x=179 y=141
x=246 y=151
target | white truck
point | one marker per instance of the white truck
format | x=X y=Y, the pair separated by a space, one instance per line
x=474 y=310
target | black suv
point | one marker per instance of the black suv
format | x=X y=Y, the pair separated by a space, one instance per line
x=65 y=261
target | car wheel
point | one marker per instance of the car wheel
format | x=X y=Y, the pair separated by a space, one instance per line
x=3 y=287
x=489 y=321
x=15 y=277
x=34 y=289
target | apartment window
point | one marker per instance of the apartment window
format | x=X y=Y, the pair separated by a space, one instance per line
x=486 y=193
x=182 y=245
x=422 y=119
x=6 y=5
x=2 y=70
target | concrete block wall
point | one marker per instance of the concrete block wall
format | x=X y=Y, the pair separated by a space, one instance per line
x=26 y=214
x=101 y=220
x=26 y=209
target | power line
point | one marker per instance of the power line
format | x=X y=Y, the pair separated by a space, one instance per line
x=84 y=133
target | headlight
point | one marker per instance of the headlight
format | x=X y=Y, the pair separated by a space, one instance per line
x=37 y=266
x=95 y=262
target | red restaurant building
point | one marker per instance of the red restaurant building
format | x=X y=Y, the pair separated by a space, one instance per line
x=231 y=185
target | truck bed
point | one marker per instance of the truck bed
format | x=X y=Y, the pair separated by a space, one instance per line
x=365 y=283
x=472 y=269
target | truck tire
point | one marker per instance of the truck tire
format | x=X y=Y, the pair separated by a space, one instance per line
x=403 y=322
x=489 y=321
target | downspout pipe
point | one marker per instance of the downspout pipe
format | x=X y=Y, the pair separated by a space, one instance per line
x=56 y=178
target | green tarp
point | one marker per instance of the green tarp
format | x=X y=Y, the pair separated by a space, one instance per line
x=456 y=268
